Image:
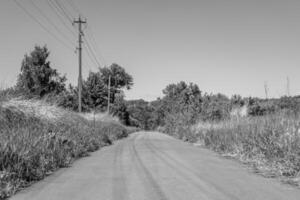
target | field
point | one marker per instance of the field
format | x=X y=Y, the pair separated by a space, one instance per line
x=37 y=138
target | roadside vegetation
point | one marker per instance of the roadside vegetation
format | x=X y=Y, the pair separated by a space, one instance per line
x=264 y=133
x=37 y=138
x=270 y=144
x=40 y=130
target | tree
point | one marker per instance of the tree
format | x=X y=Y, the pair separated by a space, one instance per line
x=95 y=87
x=141 y=114
x=183 y=99
x=37 y=78
x=95 y=90
x=179 y=108
x=215 y=107
x=237 y=100
x=119 y=109
x=119 y=77
x=68 y=99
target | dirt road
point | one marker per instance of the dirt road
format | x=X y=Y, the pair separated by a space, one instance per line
x=156 y=167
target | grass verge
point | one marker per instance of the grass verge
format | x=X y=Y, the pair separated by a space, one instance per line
x=37 y=138
x=269 y=144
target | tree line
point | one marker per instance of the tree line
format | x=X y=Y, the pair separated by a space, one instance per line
x=38 y=79
x=182 y=104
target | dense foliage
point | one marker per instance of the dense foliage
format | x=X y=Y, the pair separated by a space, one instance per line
x=183 y=105
x=36 y=137
x=37 y=78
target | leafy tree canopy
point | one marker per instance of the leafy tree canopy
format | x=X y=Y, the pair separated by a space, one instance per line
x=96 y=85
x=119 y=77
x=37 y=78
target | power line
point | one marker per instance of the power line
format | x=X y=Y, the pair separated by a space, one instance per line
x=75 y=8
x=89 y=54
x=63 y=10
x=91 y=51
x=91 y=42
x=92 y=61
x=52 y=23
x=44 y=27
x=95 y=44
x=59 y=15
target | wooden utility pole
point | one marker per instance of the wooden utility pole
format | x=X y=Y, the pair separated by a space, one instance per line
x=108 y=98
x=288 y=86
x=266 y=89
x=80 y=34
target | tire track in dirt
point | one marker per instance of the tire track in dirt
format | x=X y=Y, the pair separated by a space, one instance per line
x=174 y=163
x=120 y=190
x=146 y=177
x=184 y=175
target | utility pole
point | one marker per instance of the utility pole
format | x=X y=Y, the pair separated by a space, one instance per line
x=288 y=86
x=108 y=98
x=80 y=34
x=266 y=89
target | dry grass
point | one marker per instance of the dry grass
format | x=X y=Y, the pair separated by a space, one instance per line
x=104 y=117
x=37 y=138
x=271 y=144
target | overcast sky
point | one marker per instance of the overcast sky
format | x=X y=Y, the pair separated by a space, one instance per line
x=225 y=46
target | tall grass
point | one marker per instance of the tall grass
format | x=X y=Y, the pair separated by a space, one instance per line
x=270 y=143
x=37 y=138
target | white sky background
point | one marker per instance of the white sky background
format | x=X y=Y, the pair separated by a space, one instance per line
x=231 y=47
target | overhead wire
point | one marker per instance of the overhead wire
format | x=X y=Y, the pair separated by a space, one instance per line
x=20 y=5
x=90 y=42
x=91 y=51
x=95 y=45
x=91 y=61
x=60 y=16
x=89 y=34
x=63 y=14
x=63 y=10
x=75 y=8
x=91 y=46
x=50 y=21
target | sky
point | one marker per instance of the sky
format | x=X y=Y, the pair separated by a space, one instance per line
x=224 y=46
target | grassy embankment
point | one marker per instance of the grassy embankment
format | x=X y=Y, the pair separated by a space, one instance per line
x=269 y=144
x=37 y=138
